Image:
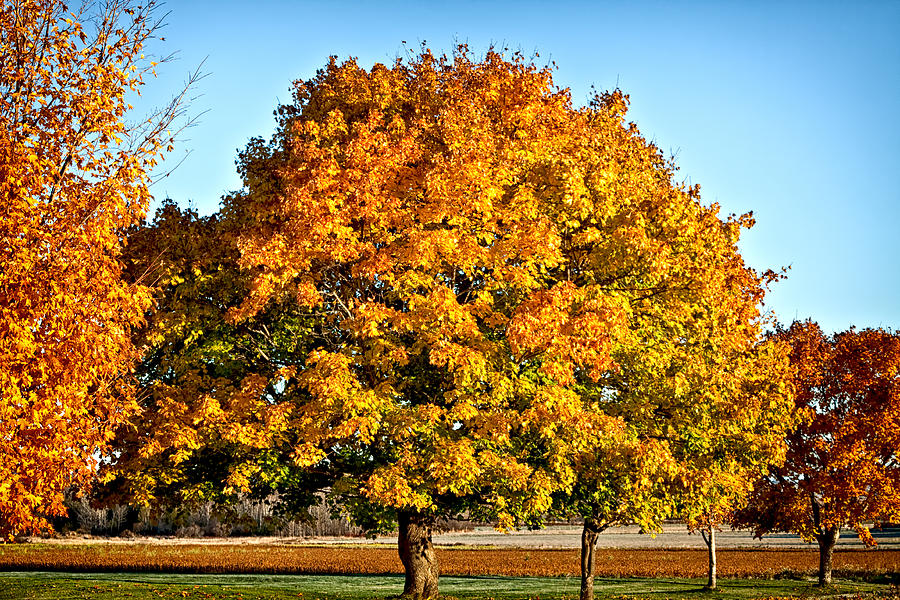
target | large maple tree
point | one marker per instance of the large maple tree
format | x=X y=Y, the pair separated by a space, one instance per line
x=433 y=387
x=842 y=468
x=481 y=250
x=73 y=177
x=461 y=294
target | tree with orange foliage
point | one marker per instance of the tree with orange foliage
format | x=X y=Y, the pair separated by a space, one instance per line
x=419 y=247
x=480 y=248
x=203 y=429
x=73 y=177
x=503 y=299
x=842 y=468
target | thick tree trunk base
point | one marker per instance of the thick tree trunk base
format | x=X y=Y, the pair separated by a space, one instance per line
x=418 y=556
x=827 y=541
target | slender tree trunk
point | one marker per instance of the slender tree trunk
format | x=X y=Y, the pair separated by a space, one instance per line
x=588 y=541
x=827 y=539
x=710 y=540
x=417 y=555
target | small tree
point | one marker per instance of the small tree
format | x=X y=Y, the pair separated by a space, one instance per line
x=717 y=495
x=697 y=440
x=842 y=465
x=73 y=177
x=746 y=437
x=621 y=480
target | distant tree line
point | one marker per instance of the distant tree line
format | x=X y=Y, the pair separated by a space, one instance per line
x=243 y=517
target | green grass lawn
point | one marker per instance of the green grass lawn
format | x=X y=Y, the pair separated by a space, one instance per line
x=144 y=586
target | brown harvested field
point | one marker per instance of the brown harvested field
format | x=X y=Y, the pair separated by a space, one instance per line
x=454 y=561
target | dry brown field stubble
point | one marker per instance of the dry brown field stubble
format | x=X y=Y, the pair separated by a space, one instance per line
x=283 y=559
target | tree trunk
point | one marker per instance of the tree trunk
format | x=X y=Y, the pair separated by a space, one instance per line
x=588 y=541
x=711 y=547
x=417 y=555
x=827 y=539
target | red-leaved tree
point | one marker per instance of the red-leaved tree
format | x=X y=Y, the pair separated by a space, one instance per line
x=842 y=468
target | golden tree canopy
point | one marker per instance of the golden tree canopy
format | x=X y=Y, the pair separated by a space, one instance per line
x=73 y=177
x=478 y=246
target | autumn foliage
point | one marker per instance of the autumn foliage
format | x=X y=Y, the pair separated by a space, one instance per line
x=208 y=407
x=841 y=469
x=73 y=177
x=424 y=210
x=460 y=288
x=446 y=289
x=477 y=247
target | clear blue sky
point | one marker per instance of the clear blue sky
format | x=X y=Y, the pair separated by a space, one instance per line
x=788 y=109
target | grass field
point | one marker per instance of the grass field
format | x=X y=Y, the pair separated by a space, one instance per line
x=151 y=586
x=246 y=572
x=332 y=560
